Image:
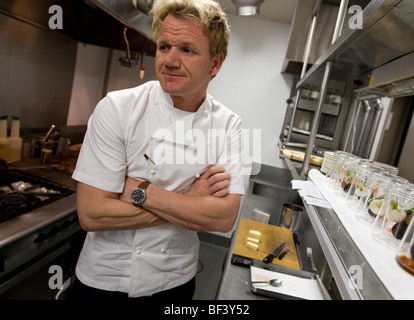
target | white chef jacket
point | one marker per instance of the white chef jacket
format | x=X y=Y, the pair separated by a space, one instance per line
x=125 y=125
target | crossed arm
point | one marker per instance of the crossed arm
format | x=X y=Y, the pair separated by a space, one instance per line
x=207 y=206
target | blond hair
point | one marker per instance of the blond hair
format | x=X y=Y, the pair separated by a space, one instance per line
x=207 y=12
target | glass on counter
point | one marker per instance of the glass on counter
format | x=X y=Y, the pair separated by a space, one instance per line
x=405 y=251
x=338 y=158
x=394 y=215
x=358 y=189
x=379 y=184
x=346 y=172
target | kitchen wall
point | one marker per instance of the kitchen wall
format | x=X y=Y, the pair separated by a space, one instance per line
x=249 y=83
x=36 y=73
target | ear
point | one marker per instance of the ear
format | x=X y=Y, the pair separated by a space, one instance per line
x=217 y=62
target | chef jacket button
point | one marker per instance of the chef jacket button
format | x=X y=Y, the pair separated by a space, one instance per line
x=157 y=103
x=153 y=172
x=138 y=251
x=206 y=113
x=163 y=250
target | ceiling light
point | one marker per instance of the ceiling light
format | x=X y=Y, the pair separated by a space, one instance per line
x=247 y=7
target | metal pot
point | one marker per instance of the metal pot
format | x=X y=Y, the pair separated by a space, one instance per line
x=290 y=216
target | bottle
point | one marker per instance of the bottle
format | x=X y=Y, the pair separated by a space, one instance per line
x=15 y=141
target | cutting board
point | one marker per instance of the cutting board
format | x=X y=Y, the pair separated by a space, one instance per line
x=272 y=236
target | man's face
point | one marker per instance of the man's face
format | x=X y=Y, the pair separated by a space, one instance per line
x=183 y=63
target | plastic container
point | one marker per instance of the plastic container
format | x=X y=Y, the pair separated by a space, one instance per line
x=15 y=152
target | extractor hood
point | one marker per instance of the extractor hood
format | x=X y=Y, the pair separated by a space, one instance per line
x=89 y=21
x=132 y=13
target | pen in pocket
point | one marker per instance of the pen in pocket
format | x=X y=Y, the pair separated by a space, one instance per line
x=148 y=158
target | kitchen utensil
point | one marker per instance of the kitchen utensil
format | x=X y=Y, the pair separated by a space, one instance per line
x=274 y=254
x=280 y=257
x=46 y=155
x=49 y=132
x=272 y=282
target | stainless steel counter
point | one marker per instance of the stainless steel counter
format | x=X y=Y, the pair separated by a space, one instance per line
x=267 y=191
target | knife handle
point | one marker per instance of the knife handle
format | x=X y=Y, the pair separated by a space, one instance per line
x=269 y=258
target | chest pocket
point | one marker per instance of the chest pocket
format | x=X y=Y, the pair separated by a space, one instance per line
x=176 y=165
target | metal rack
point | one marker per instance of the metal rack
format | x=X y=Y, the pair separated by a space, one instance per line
x=361 y=59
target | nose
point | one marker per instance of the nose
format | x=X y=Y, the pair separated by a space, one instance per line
x=172 y=58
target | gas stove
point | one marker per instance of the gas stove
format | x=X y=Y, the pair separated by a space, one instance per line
x=38 y=224
x=21 y=192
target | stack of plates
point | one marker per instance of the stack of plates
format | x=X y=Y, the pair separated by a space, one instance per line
x=328 y=162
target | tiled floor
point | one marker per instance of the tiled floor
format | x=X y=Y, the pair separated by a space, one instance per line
x=211 y=260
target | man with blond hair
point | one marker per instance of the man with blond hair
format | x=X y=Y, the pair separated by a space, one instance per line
x=153 y=170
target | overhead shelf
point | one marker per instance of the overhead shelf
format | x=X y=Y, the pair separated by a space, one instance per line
x=386 y=35
x=377 y=82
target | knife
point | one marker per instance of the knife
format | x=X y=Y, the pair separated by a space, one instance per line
x=275 y=253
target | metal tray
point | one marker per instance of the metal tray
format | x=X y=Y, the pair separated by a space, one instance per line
x=297 y=284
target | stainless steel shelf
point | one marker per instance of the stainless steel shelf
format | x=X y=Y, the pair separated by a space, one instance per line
x=386 y=35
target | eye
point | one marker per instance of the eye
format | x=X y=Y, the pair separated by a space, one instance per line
x=163 y=47
x=188 y=50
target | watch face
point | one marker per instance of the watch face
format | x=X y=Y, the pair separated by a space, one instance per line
x=138 y=196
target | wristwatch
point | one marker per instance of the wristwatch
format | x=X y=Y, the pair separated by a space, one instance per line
x=138 y=195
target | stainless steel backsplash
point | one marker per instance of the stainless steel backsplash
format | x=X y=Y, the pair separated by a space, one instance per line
x=36 y=73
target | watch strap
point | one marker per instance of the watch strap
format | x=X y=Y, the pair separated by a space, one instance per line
x=143 y=185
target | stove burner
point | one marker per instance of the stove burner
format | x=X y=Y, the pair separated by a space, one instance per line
x=20 y=199
x=37 y=193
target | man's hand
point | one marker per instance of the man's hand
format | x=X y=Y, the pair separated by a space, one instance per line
x=213 y=182
x=206 y=206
